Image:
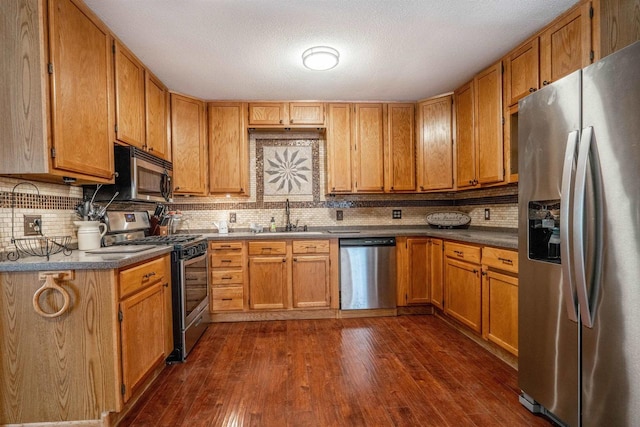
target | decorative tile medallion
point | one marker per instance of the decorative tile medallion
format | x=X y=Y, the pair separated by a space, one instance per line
x=287 y=170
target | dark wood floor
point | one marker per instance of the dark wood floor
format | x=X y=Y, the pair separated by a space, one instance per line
x=393 y=371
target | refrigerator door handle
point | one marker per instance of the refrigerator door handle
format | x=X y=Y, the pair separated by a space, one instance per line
x=568 y=282
x=587 y=155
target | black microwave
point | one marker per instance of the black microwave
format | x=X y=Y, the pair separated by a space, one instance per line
x=140 y=177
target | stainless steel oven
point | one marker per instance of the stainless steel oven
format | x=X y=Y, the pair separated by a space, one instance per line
x=190 y=297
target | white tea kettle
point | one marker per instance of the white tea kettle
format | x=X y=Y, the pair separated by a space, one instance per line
x=222 y=225
x=90 y=234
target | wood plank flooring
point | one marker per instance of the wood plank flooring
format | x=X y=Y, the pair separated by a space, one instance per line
x=391 y=371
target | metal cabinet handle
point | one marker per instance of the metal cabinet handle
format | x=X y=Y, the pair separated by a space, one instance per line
x=546 y=82
x=227 y=299
x=459 y=253
x=532 y=89
x=225 y=260
x=226 y=277
x=148 y=275
x=506 y=260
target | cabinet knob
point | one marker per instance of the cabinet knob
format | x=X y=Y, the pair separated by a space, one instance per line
x=532 y=89
x=484 y=273
x=284 y=260
x=280 y=121
x=421 y=188
x=295 y=260
x=150 y=148
x=545 y=83
x=291 y=121
x=475 y=271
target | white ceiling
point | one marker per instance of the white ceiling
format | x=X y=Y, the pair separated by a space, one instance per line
x=390 y=50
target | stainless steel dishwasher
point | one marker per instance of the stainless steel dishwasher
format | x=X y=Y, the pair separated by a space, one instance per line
x=367 y=273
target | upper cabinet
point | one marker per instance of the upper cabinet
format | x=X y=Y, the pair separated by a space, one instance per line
x=435 y=144
x=286 y=114
x=400 y=152
x=368 y=147
x=488 y=125
x=228 y=148
x=339 y=178
x=57 y=122
x=465 y=139
x=142 y=105
x=615 y=25
x=189 y=145
x=522 y=72
x=157 y=116
x=565 y=45
x=130 y=94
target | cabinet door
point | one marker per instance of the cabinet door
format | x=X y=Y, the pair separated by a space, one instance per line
x=400 y=153
x=463 y=293
x=369 y=148
x=521 y=72
x=339 y=178
x=465 y=139
x=565 y=46
x=310 y=280
x=188 y=141
x=228 y=148
x=130 y=93
x=418 y=291
x=306 y=113
x=436 y=278
x=500 y=310
x=267 y=283
x=157 y=116
x=142 y=335
x=81 y=91
x=435 y=145
x=268 y=113
x=488 y=125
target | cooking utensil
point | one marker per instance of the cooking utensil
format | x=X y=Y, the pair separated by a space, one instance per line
x=103 y=209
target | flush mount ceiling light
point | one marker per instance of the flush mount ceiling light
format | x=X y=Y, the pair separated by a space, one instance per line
x=320 y=58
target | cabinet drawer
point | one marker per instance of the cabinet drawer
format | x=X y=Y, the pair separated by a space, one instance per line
x=227 y=260
x=310 y=246
x=223 y=277
x=225 y=246
x=501 y=259
x=462 y=252
x=224 y=299
x=140 y=276
x=267 y=248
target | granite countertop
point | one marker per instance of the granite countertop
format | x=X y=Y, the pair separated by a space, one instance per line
x=500 y=237
x=80 y=260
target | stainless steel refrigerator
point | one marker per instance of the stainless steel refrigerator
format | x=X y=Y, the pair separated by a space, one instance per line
x=579 y=245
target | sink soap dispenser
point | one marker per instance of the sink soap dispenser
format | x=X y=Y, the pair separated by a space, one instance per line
x=272 y=226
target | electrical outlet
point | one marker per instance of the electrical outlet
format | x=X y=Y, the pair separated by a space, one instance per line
x=487 y=214
x=396 y=214
x=339 y=215
x=32 y=225
x=232 y=217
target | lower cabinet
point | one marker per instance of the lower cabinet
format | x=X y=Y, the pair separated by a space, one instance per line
x=463 y=290
x=310 y=281
x=500 y=298
x=436 y=252
x=143 y=321
x=419 y=271
x=227 y=272
x=268 y=282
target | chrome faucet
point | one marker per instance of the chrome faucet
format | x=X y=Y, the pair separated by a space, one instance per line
x=287 y=214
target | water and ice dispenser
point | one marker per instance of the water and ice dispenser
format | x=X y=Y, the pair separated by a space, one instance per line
x=544 y=231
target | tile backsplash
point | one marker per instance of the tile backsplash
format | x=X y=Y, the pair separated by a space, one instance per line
x=56 y=203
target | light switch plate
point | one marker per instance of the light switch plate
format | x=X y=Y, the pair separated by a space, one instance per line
x=32 y=225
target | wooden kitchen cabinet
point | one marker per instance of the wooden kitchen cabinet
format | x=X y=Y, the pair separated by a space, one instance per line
x=59 y=126
x=268 y=277
x=419 y=288
x=522 y=72
x=143 y=321
x=156 y=117
x=227 y=276
x=463 y=287
x=436 y=276
x=368 y=148
x=615 y=24
x=286 y=114
x=189 y=145
x=565 y=45
x=488 y=125
x=465 y=139
x=130 y=96
x=500 y=297
x=400 y=152
x=435 y=145
x=311 y=274
x=228 y=148
x=339 y=142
